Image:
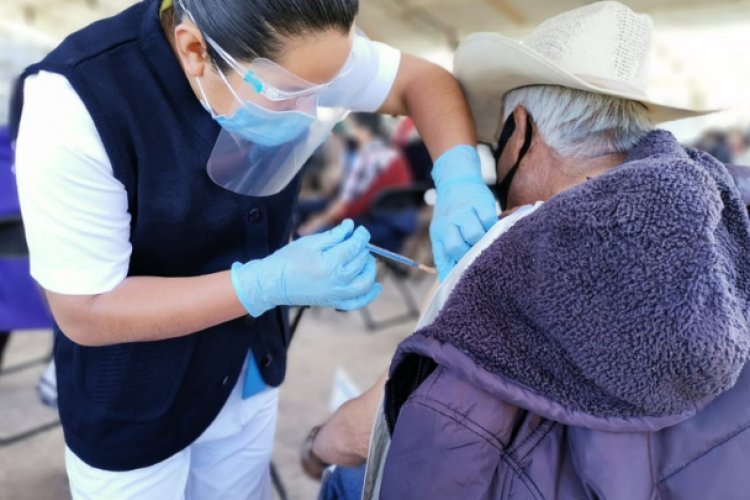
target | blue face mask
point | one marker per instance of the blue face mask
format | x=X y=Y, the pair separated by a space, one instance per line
x=260 y=126
x=263 y=127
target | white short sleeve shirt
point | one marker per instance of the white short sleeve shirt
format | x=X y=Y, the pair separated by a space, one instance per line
x=75 y=211
x=368 y=79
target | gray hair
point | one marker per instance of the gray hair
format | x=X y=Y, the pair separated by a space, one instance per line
x=576 y=123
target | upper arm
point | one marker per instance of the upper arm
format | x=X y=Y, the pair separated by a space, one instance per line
x=74 y=210
x=412 y=69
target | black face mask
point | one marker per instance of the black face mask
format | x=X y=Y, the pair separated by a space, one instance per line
x=503 y=187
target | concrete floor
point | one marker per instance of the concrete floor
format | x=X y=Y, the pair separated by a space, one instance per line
x=326 y=340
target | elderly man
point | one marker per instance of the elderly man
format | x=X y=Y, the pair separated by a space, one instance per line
x=594 y=343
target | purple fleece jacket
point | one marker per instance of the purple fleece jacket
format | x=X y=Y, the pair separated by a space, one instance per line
x=627 y=295
x=620 y=306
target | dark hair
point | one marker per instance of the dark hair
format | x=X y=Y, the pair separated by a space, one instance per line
x=369 y=121
x=247 y=29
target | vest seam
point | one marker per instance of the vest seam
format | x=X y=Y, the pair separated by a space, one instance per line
x=87 y=58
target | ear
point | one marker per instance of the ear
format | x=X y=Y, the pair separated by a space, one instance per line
x=191 y=49
x=521 y=118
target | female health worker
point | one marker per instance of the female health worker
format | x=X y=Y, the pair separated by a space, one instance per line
x=158 y=157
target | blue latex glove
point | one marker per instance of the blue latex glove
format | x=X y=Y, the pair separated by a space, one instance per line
x=466 y=208
x=331 y=269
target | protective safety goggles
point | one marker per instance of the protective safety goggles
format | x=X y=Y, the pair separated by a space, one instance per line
x=276 y=84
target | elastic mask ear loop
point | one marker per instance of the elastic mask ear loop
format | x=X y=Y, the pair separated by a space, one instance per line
x=229 y=86
x=204 y=98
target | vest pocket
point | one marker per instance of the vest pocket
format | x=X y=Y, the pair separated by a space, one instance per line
x=136 y=381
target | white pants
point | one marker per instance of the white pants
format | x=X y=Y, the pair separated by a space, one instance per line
x=230 y=460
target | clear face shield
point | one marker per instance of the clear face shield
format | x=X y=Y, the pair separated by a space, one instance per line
x=276 y=122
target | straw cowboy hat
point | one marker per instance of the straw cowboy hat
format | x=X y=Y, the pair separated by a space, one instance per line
x=602 y=48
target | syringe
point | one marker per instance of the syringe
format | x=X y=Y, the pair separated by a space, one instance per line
x=387 y=254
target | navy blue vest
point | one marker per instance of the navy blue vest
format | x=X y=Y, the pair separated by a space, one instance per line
x=132 y=405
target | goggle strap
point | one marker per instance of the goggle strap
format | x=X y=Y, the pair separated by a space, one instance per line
x=225 y=55
x=204 y=97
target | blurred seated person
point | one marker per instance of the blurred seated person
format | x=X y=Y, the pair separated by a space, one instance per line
x=375 y=168
x=716 y=143
x=739 y=142
x=406 y=139
x=595 y=343
x=323 y=174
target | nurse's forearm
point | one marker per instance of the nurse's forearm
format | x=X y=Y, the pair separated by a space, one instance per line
x=144 y=309
x=433 y=97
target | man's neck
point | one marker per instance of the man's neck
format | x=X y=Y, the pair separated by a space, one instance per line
x=576 y=171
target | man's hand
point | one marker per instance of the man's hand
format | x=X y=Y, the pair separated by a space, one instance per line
x=313 y=466
x=345 y=438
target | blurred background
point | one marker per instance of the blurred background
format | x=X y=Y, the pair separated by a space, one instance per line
x=374 y=170
x=700 y=50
